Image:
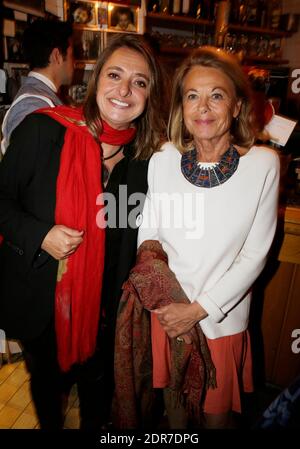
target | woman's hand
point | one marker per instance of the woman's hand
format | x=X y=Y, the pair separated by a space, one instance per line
x=61 y=241
x=178 y=319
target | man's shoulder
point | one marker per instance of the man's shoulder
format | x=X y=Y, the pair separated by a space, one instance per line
x=42 y=120
x=32 y=87
x=42 y=124
x=20 y=110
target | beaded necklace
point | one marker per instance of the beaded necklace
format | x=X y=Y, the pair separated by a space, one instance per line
x=209 y=175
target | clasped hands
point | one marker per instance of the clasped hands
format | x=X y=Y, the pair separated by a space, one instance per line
x=177 y=319
x=61 y=241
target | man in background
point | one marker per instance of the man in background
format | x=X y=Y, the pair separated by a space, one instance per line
x=48 y=48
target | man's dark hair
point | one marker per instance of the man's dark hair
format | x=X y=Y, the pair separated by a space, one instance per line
x=41 y=37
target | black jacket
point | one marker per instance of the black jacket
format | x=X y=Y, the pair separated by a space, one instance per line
x=28 y=174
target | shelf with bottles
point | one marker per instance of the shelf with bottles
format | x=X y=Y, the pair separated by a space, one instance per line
x=258 y=16
x=85 y=64
x=182 y=51
x=181 y=43
x=179 y=26
x=157 y=17
x=265 y=60
x=189 y=12
x=185 y=51
x=248 y=48
x=254 y=47
x=81 y=27
x=88 y=44
x=260 y=30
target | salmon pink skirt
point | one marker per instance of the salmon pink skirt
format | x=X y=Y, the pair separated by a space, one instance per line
x=233 y=362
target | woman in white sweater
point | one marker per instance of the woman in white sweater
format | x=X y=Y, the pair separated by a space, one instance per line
x=212 y=204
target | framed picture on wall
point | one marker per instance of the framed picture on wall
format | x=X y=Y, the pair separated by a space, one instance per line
x=86 y=44
x=102 y=15
x=16 y=71
x=122 y=18
x=83 y=13
x=12 y=40
x=12 y=49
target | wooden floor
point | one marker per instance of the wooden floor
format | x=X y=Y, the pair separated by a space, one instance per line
x=16 y=406
x=17 y=409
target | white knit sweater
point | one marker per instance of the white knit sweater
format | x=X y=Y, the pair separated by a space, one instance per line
x=216 y=239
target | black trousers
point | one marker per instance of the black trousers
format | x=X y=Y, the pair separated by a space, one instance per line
x=49 y=385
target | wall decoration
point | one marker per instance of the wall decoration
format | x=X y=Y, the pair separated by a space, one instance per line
x=122 y=18
x=83 y=13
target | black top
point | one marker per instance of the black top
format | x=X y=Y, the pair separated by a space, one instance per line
x=28 y=174
x=113 y=238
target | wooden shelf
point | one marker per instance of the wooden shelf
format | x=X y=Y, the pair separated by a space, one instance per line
x=234 y=27
x=77 y=26
x=258 y=30
x=186 y=50
x=180 y=19
x=94 y=28
x=86 y=64
x=266 y=60
x=176 y=50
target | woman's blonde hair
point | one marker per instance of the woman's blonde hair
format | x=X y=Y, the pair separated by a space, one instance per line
x=242 y=128
x=149 y=124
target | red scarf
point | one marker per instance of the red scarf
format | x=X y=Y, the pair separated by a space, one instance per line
x=72 y=117
x=79 y=279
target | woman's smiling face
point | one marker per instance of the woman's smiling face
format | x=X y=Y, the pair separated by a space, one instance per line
x=209 y=103
x=123 y=88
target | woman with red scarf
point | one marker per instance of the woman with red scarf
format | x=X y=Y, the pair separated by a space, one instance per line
x=63 y=259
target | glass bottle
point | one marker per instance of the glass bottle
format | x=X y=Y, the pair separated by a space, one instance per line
x=186 y=7
x=234 y=11
x=164 y=6
x=227 y=44
x=274 y=12
x=262 y=13
x=197 y=9
x=176 y=8
x=252 y=12
x=221 y=24
x=153 y=6
x=242 y=12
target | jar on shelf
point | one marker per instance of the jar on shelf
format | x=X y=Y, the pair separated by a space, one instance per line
x=274 y=13
x=251 y=12
x=196 y=9
x=176 y=7
x=263 y=46
x=252 y=45
x=186 y=7
x=222 y=19
x=262 y=13
x=164 y=6
x=242 y=12
x=274 y=49
x=154 y=6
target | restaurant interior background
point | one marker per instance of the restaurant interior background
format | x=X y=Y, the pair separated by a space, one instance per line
x=265 y=36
